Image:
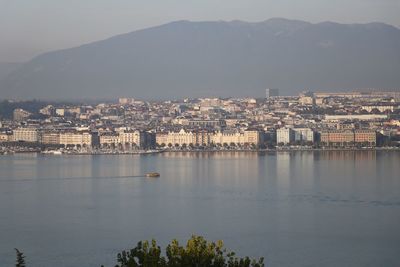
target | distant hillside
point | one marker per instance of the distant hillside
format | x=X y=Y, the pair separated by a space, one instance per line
x=235 y=58
x=7 y=68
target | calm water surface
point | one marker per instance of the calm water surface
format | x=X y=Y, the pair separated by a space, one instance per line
x=295 y=209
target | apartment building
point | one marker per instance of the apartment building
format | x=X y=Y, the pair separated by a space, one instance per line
x=5 y=137
x=180 y=138
x=365 y=136
x=287 y=135
x=108 y=139
x=26 y=135
x=284 y=135
x=206 y=138
x=132 y=138
x=75 y=138
x=303 y=134
x=247 y=137
x=124 y=138
x=50 y=138
x=341 y=137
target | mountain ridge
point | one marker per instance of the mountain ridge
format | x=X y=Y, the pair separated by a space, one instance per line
x=222 y=58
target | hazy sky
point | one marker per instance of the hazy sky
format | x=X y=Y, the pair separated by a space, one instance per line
x=30 y=27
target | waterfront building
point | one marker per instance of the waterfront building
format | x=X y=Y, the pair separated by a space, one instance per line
x=365 y=136
x=132 y=138
x=50 y=138
x=288 y=135
x=348 y=137
x=203 y=137
x=109 y=139
x=284 y=135
x=26 y=135
x=180 y=138
x=162 y=138
x=252 y=137
x=206 y=138
x=75 y=138
x=5 y=137
x=337 y=137
x=248 y=137
x=226 y=137
x=303 y=134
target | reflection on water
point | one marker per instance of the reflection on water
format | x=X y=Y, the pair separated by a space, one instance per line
x=328 y=208
x=348 y=155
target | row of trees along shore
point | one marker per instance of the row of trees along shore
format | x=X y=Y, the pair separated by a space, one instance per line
x=198 y=252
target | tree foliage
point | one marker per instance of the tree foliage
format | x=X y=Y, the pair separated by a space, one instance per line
x=198 y=252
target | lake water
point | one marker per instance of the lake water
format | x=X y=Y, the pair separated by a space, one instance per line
x=295 y=209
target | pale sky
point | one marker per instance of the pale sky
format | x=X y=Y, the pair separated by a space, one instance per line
x=31 y=27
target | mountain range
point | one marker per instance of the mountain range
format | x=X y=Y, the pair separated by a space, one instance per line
x=196 y=59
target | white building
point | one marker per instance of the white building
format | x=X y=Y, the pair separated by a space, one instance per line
x=284 y=135
x=289 y=135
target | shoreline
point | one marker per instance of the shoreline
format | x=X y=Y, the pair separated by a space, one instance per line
x=150 y=152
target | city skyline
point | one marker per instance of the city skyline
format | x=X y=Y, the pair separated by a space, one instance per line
x=307 y=121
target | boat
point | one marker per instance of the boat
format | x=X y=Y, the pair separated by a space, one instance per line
x=52 y=152
x=152 y=174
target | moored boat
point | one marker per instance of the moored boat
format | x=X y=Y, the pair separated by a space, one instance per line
x=152 y=174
